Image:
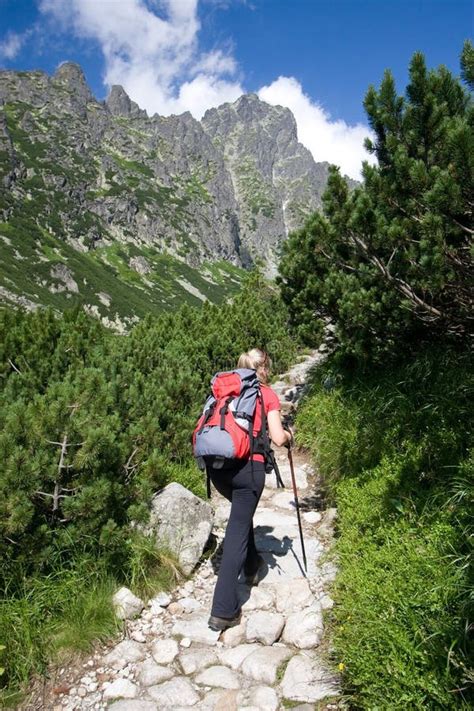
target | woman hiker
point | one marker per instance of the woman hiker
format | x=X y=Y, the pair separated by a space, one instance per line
x=242 y=485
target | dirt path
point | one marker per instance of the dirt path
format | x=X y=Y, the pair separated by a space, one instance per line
x=170 y=659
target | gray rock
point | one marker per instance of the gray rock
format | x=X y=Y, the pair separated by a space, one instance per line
x=263 y=698
x=305 y=679
x=140 y=265
x=218 y=676
x=265 y=627
x=119 y=103
x=312 y=516
x=164 y=651
x=120 y=689
x=63 y=274
x=183 y=522
x=189 y=604
x=300 y=478
x=176 y=692
x=328 y=571
x=284 y=500
x=261 y=598
x=138 y=635
x=196 y=659
x=195 y=627
x=175 y=609
x=132 y=705
x=304 y=629
x=150 y=673
x=162 y=599
x=241 y=127
x=124 y=653
x=293 y=595
x=281 y=549
x=234 y=636
x=262 y=665
x=326 y=602
x=126 y=604
x=219 y=700
x=234 y=657
x=271 y=519
x=228 y=187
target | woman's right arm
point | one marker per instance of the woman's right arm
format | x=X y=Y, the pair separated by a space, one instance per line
x=278 y=435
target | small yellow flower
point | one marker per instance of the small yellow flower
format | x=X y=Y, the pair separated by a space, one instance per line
x=341 y=666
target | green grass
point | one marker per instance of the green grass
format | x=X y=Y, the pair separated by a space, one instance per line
x=257 y=193
x=151 y=569
x=133 y=166
x=50 y=617
x=393 y=448
x=104 y=269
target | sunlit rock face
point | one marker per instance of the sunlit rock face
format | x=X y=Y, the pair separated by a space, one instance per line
x=106 y=178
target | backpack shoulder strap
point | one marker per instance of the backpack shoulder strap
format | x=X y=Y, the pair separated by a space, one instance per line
x=264 y=426
x=207 y=416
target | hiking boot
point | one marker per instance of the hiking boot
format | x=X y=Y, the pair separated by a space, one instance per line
x=254 y=578
x=219 y=624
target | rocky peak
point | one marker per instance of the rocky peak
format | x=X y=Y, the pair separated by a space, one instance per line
x=249 y=107
x=119 y=103
x=70 y=75
x=249 y=111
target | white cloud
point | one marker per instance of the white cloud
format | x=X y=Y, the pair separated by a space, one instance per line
x=151 y=47
x=155 y=57
x=333 y=141
x=217 y=63
x=11 y=45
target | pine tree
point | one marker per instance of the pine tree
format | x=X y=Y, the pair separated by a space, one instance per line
x=392 y=260
x=92 y=424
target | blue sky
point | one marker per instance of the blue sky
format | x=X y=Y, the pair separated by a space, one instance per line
x=315 y=56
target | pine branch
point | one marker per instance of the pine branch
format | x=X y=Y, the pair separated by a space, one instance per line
x=128 y=467
x=463 y=227
x=14 y=366
x=61 y=466
x=402 y=286
x=339 y=263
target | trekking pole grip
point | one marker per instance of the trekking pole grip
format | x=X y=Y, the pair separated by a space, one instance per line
x=291 y=443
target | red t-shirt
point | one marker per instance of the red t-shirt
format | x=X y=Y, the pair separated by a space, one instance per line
x=270 y=402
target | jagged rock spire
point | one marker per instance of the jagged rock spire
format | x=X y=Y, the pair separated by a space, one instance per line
x=71 y=75
x=119 y=103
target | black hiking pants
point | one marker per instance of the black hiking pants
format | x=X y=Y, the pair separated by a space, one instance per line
x=239 y=552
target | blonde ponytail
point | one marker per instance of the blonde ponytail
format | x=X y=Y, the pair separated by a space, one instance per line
x=257 y=360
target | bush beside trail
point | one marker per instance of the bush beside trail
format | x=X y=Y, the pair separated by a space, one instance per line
x=395 y=452
x=91 y=425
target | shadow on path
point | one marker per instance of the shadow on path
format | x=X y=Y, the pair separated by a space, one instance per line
x=272 y=548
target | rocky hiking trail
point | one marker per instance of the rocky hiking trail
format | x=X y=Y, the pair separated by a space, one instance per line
x=170 y=659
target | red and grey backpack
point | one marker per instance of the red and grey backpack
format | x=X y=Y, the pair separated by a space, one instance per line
x=224 y=431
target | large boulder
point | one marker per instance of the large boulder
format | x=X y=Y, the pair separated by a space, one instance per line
x=182 y=522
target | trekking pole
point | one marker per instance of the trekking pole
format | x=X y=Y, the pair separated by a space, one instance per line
x=295 y=493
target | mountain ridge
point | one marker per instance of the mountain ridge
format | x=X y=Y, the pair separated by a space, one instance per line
x=153 y=198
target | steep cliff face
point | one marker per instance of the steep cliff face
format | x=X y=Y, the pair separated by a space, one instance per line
x=275 y=179
x=162 y=208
